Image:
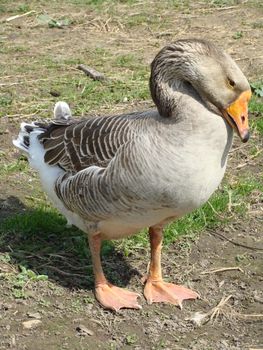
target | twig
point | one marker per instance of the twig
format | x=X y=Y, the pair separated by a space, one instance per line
x=211 y=9
x=226 y=8
x=65 y=261
x=216 y=310
x=248 y=58
x=64 y=273
x=106 y=24
x=32 y=255
x=233 y=242
x=91 y=72
x=251 y=316
x=236 y=149
x=9 y=19
x=20 y=115
x=213 y=209
x=248 y=160
x=160 y=35
x=200 y=318
x=221 y=270
x=10 y=84
x=229 y=205
x=22 y=82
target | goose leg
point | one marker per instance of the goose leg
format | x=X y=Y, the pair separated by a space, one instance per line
x=156 y=290
x=109 y=296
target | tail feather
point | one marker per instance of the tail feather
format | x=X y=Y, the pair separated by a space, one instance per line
x=23 y=140
x=62 y=113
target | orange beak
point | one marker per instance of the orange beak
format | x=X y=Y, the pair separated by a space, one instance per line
x=237 y=115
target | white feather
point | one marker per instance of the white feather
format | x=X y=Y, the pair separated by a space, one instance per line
x=19 y=144
x=48 y=176
x=47 y=173
x=62 y=111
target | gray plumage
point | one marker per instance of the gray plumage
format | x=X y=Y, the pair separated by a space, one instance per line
x=122 y=173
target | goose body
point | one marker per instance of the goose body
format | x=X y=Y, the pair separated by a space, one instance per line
x=114 y=176
x=159 y=191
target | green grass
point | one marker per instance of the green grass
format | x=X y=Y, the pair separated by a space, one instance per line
x=7 y=7
x=20 y=165
x=42 y=223
x=127 y=81
x=128 y=61
x=20 y=280
x=88 y=95
x=212 y=214
x=238 y=35
x=35 y=241
x=5 y=100
x=258 y=24
x=256 y=107
x=223 y=3
x=39 y=237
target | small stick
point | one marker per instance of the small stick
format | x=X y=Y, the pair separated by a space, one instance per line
x=211 y=315
x=9 y=19
x=234 y=242
x=64 y=273
x=248 y=58
x=200 y=318
x=248 y=160
x=221 y=269
x=240 y=166
x=22 y=82
x=91 y=72
x=236 y=149
x=9 y=84
x=226 y=8
x=215 y=312
x=229 y=206
x=213 y=209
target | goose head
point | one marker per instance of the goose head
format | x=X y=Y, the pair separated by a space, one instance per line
x=202 y=70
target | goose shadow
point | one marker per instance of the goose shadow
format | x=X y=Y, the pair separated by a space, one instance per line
x=39 y=240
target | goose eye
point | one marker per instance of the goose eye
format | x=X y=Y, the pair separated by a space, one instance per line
x=231 y=83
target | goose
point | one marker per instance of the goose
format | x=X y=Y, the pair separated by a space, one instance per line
x=113 y=176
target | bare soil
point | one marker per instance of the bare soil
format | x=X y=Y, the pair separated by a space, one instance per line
x=69 y=316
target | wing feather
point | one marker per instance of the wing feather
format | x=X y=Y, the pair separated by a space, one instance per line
x=75 y=145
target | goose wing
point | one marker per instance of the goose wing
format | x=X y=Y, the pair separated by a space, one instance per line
x=103 y=161
x=75 y=145
x=98 y=193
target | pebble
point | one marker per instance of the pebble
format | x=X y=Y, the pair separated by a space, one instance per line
x=258 y=297
x=31 y=324
x=59 y=306
x=5 y=307
x=83 y=331
x=35 y=315
x=3 y=132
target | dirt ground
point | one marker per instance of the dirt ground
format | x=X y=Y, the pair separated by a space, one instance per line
x=71 y=319
x=65 y=313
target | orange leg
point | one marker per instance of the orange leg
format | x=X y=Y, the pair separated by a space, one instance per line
x=109 y=296
x=156 y=290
